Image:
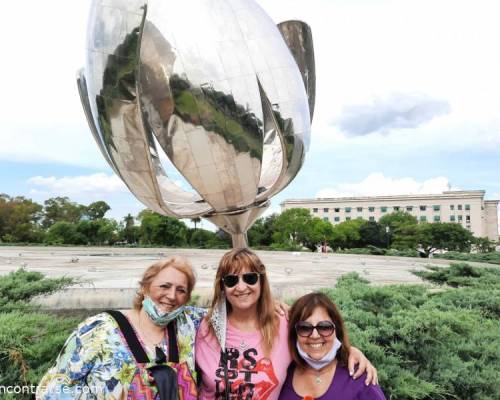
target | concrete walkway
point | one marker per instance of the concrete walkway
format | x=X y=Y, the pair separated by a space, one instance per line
x=108 y=276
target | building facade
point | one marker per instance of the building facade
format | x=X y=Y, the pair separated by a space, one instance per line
x=467 y=208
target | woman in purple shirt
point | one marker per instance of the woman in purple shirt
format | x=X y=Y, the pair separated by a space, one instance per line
x=319 y=346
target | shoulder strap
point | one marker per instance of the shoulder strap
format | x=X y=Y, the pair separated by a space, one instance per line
x=173 y=351
x=130 y=336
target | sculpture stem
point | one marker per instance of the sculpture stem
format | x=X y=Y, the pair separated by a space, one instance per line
x=239 y=240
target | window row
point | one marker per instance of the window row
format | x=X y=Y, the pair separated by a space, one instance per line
x=422 y=218
x=395 y=208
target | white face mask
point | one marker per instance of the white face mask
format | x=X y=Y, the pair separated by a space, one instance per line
x=325 y=360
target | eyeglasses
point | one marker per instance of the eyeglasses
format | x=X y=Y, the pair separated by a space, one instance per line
x=250 y=278
x=324 y=328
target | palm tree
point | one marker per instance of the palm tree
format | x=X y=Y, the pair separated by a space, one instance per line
x=195 y=221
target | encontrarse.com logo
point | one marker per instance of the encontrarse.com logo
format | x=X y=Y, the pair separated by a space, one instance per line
x=32 y=389
x=18 y=389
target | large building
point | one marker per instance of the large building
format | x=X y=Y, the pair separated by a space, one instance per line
x=468 y=208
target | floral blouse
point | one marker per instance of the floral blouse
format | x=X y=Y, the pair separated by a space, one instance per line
x=96 y=363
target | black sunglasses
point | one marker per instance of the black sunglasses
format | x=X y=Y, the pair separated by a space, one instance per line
x=324 y=328
x=250 y=278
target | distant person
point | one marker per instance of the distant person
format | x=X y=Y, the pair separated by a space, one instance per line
x=319 y=346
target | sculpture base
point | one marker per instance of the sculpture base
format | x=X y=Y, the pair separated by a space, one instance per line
x=237 y=223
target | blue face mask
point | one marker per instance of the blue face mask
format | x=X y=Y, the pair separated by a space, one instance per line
x=327 y=358
x=158 y=317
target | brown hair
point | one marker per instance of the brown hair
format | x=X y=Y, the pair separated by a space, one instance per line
x=179 y=263
x=303 y=309
x=233 y=262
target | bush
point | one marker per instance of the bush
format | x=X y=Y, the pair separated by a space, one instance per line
x=462 y=274
x=286 y=247
x=377 y=251
x=402 y=253
x=492 y=258
x=356 y=250
x=29 y=340
x=427 y=344
x=18 y=287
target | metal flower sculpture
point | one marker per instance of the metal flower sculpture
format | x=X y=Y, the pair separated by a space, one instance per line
x=215 y=86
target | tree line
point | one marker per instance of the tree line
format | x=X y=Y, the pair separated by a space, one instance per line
x=59 y=221
x=297 y=228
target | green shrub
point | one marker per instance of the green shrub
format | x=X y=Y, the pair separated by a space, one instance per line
x=286 y=247
x=18 y=287
x=462 y=274
x=29 y=344
x=403 y=253
x=428 y=344
x=356 y=250
x=377 y=251
x=29 y=340
x=492 y=258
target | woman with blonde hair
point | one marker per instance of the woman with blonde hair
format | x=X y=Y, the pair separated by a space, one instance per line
x=143 y=353
x=241 y=346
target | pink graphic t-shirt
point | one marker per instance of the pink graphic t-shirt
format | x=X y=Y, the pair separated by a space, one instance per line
x=252 y=375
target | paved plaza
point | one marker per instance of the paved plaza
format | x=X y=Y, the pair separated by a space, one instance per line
x=108 y=276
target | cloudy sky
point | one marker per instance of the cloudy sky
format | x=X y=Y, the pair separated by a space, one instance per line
x=408 y=100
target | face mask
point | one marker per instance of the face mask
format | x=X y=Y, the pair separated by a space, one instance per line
x=158 y=317
x=327 y=359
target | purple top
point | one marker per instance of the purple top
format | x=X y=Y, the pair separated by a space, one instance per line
x=342 y=387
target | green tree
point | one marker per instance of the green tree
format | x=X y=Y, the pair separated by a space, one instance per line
x=100 y=232
x=63 y=232
x=97 y=210
x=88 y=229
x=107 y=234
x=204 y=239
x=296 y=227
x=484 y=245
x=373 y=234
x=443 y=236
x=261 y=232
x=401 y=229
x=347 y=234
x=318 y=232
x=161 y=230
x=19 y=220
x=61 y=209
x=291 y=226
x=195 y=221
x=128 y=231
x=224 y=238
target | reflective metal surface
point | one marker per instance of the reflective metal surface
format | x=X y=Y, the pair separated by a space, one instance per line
x=216 y=86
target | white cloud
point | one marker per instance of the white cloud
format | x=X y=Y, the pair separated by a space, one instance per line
x=96 y=185
x=376 y=184
x=392 y=112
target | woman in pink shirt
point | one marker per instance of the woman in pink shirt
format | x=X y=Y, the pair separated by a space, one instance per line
x=241 y=346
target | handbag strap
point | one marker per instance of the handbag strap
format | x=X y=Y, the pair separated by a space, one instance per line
x=173 y=350
x=132 y=340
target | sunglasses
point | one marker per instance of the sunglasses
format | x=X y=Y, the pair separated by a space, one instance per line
x=324 y=328
x=250 y=278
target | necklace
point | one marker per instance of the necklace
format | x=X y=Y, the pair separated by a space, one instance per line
x=154 y=342
x=243 y=344
x=317 y=378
